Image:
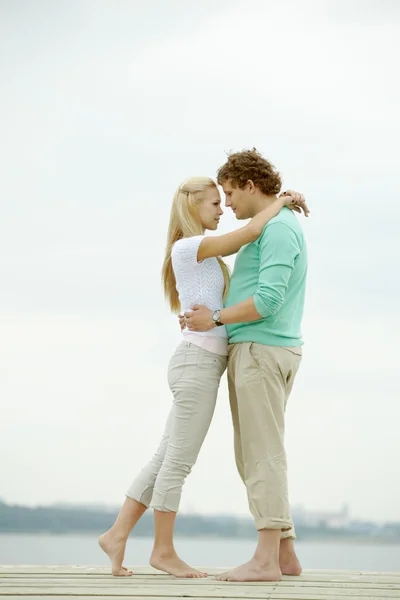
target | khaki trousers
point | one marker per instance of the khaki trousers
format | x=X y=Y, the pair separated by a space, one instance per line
x=194 y=376
x=260 y=379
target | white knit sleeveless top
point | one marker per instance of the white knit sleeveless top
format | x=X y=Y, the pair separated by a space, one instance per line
x=198 y=282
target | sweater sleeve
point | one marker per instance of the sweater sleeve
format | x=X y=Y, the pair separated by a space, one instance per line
x=279 y=247
x=184 y=251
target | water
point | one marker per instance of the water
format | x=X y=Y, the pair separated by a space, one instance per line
x=78 y=549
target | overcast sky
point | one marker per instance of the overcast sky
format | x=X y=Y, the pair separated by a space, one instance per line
x=106 y=105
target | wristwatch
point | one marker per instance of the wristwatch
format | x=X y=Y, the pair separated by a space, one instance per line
x=216 y=317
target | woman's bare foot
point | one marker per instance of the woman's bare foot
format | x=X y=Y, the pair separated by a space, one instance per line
x=288 y=561
x=115 y=548
x=169 y=562
x=252 y=571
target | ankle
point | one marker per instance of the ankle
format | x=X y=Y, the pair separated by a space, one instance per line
x=266 y=556
x=267 y=551
x=164 y=550
x=264 y=560
x=287 y=547
x=118 y=535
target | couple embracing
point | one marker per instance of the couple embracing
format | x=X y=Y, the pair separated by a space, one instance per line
x=248 y=323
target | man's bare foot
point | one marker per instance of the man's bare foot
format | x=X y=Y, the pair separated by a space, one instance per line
x=115 y=548
x=291 y=567
x=170 y=563
x=252 y=571
x=288 y=561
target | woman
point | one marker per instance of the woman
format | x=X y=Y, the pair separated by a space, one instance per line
x=193 y=273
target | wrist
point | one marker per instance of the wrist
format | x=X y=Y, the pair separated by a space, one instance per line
x=282 y=200
x=216 y=318
x=222 y=314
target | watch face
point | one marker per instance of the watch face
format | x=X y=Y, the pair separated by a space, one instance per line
x=215 y=315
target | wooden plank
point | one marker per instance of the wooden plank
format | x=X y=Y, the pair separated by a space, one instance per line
x=305 y=596
x=85 y=597
x=9 y=578
x=311 y=593
x=269 y=597
x=81 y=581
x=158 y=577
x=225 y=590
x=230 y=591
x=41 y=597
x=137 y=594
x=80 y=572
x=147 y=570
x=143 y=569
x=351 y=585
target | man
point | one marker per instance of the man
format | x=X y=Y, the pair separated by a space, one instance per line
x=262 y=313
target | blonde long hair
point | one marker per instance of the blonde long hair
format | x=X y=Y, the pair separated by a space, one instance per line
x=185 y=222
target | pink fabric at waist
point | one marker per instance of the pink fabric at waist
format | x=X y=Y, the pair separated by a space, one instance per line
x=218 y=345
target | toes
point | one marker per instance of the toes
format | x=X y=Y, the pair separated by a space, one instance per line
x=122 y=573
x=196 y=575
x=126 y=572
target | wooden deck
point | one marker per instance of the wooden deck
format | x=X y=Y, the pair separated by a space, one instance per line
x=80 y=583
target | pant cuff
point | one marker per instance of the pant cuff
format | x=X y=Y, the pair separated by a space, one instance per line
x=167 y=502
x=272 y=523
x=140 y=494
x=288 y=534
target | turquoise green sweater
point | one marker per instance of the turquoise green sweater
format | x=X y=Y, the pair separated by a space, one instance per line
x=273 y=271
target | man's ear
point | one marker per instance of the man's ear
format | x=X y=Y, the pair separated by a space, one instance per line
x=251 y=186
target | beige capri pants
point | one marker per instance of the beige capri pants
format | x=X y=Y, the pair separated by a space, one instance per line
x=194 y=376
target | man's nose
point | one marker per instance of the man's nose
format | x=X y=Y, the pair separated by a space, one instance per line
x=227 y=202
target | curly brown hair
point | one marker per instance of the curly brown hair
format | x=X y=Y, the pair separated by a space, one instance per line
x=249 y=164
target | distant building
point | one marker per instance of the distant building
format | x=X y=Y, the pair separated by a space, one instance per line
x=331 y=520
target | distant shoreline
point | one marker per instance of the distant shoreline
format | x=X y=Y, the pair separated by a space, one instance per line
x=89 y=522
x=320 y=540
